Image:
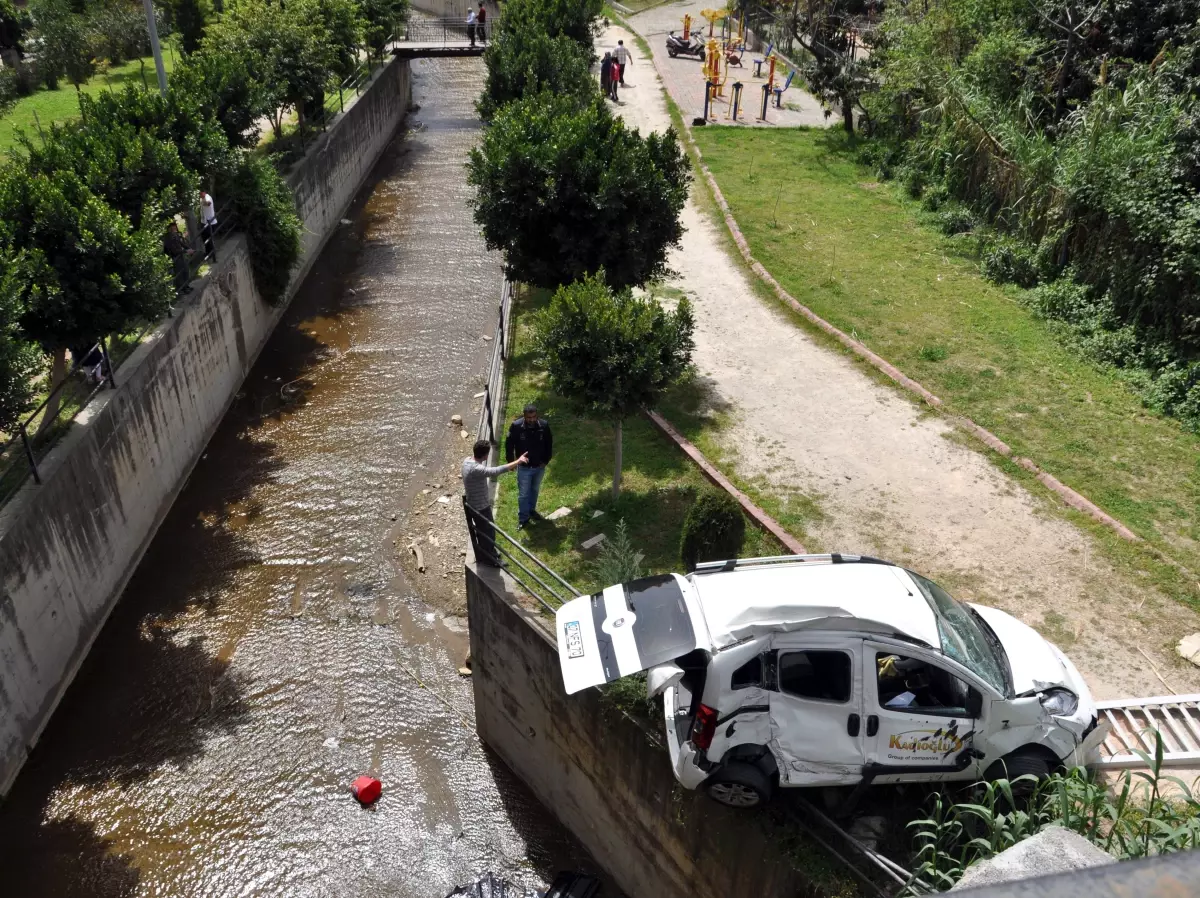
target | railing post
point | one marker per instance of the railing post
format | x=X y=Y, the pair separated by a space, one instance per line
x=341 y=101
x=487 y=405
x=500 y=334
x=112 y=379
x=37 y=478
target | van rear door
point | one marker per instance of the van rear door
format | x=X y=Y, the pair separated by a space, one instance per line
x=626 y=629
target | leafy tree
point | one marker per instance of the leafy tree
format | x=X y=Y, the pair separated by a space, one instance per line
x=68 y=45
x=828 y=30
x=382 y=19
x=344 y=26
x=266 y=211
x=576 y=19
x=20 y=360
x=565 y=190
x=78 y=271
x=14 y=25
x=611 y=352
x=189 y=18
x=522 y=61
x=220 y=82
x=119 y=30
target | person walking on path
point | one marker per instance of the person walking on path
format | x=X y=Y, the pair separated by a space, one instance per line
x=471 y=18
x=529 y=437
x=208 y=221
x=623 y=58
x=606 y=65
x=475 y=474
x=481 y=23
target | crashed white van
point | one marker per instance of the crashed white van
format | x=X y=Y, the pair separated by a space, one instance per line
x=819 y=670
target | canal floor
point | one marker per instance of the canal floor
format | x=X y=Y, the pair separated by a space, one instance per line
x=269 y=648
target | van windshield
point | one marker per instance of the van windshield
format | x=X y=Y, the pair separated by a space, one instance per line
x=965 y=637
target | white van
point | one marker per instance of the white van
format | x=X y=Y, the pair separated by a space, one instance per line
x=824 y=670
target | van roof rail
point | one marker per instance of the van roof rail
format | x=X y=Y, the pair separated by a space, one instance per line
x=737 y=564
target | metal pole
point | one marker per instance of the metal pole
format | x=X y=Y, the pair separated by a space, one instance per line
x=112 y=380
x=29 y=455
x=152 y=28
x=487 y=404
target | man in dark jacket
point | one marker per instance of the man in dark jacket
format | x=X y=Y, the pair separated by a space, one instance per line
x=530 y=436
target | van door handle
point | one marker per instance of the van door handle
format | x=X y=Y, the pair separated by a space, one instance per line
x=872 y=725
x=852 y=724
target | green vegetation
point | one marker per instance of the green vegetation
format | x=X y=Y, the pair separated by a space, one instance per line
x=613 y=353
x=713 y=530
x=850 y=249
x=524 y=59
x=1141 y=815
x=660 y=483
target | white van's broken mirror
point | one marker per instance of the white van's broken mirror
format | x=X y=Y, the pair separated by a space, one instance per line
x=661 y=678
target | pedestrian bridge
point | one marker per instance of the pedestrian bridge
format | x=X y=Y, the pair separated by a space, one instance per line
x=434 y=38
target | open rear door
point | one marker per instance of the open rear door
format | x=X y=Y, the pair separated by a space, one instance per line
x=626 y=629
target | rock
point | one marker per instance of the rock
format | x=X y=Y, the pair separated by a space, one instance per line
x=489 y=339
x=597 y=514
x=480 y=395
x=593 y=542
x=1189 y=648
x=445 y=500
x=1054 y=850
x=346 y=221
x=456 y=420
x=464 y=671
x=558 y=513
x=464 y=435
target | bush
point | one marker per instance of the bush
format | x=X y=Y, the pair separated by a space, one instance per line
x=1009 y=261
x=713 y=530
x=266 y=213
x=619 y=561
x=522 y=61
x=9 y=89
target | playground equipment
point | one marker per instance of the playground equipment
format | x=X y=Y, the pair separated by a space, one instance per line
x=687 y=27
x=778 y=91
x=736 y=102
x=713 y=16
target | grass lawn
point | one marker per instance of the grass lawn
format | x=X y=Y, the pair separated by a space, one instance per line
x=659 y=482
x=62 y=105
x=855 y=252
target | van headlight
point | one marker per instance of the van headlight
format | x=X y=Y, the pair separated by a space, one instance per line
x=1060 y=702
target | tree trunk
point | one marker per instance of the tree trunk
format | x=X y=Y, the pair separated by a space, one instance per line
x=1060 y=102
x=847 y=115
x=58 y=373
x=617 y=466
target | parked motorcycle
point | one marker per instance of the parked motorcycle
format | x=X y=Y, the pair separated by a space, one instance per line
x=677 y=46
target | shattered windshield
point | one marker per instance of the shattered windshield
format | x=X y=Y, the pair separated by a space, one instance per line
x=964 y=637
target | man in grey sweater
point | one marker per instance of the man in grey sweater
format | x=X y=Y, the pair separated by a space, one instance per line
x=476 y=474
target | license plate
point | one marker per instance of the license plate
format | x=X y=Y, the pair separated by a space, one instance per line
x=574 y=640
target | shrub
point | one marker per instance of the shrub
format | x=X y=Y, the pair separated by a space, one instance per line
x=522 y=61
x=713 y=530
x=1009 y=261
x=9 y=89
x=266 y=213
x=618 y=561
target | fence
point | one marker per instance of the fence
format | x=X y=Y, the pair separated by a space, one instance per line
x=93 y=369
x=445 y=31
x=495 y=389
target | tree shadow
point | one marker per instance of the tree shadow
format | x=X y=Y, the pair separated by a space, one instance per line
x=70 y=858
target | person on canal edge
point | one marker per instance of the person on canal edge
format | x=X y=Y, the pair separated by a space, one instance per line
x=471 y=18
x=475 y=474
x=481 y=24
x=530 y=436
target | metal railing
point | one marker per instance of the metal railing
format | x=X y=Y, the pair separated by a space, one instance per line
x=93 y=369
x=495 y=389
x=446 y=31
x=495 y=547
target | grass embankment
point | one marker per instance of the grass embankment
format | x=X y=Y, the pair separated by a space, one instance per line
x=62 y=105
x=855 y=252
x=659 y=482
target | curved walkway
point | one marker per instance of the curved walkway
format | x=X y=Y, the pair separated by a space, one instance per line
x=893 y=480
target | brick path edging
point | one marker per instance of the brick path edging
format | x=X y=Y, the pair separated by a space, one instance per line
x=756 y=514
x=1071 y=497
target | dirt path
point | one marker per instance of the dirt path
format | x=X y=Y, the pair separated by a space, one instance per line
x=891 y=480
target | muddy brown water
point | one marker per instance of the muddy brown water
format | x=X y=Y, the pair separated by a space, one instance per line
x=268 y=648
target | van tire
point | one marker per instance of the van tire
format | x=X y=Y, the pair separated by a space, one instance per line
x=1019 y=764
x=739 y=785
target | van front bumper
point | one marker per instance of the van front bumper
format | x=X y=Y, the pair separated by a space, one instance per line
x=683 y=755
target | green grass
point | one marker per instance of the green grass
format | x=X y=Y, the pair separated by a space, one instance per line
x=855 y=252
x=659 y=482
x=62 y=105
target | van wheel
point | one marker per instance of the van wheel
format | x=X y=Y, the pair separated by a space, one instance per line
x=1016 y=765
x=739 y=785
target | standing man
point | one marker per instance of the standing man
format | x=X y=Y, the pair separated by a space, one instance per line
x=178 y=251
x=208 y=221
x=623 y=58
x=471 y=19
x=529 y=437
x=475 y=475
x=481 y=23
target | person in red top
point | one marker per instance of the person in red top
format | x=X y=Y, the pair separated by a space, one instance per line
x=481 y=24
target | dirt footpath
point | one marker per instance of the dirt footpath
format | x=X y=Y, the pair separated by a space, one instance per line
x=892 y=479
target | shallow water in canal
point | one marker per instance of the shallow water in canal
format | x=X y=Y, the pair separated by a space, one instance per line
x=268 y=648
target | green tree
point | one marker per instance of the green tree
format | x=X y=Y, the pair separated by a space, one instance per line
x=523 y=61
x=20 y=360
x=565 y=190
x=14 y=24
x=78 y=271
x=189 y=18
x=576 y=19
x=220 y=83
x=382 y=19
x=265 y=208
x=67 y=44
x=839 y=73
x=611 y=352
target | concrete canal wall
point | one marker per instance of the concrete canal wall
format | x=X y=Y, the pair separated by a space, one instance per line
x=605 y=776
x=68 y=546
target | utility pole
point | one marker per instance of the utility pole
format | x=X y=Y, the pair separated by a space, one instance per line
x=152 y=27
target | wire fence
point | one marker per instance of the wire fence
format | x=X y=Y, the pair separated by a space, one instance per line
x=93 y=369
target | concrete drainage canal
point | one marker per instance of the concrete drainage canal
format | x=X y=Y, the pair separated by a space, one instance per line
x=269 y=649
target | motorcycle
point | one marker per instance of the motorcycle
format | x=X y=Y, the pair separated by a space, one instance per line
x=693 y=46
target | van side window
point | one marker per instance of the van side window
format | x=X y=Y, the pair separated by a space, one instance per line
x=821 y=675
x=918 y=687
x=749 y=674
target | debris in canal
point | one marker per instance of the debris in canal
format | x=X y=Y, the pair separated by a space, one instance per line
x=416 y=550
x=367 y=790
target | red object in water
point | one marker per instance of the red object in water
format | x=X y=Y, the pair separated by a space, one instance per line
x=367 y=789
